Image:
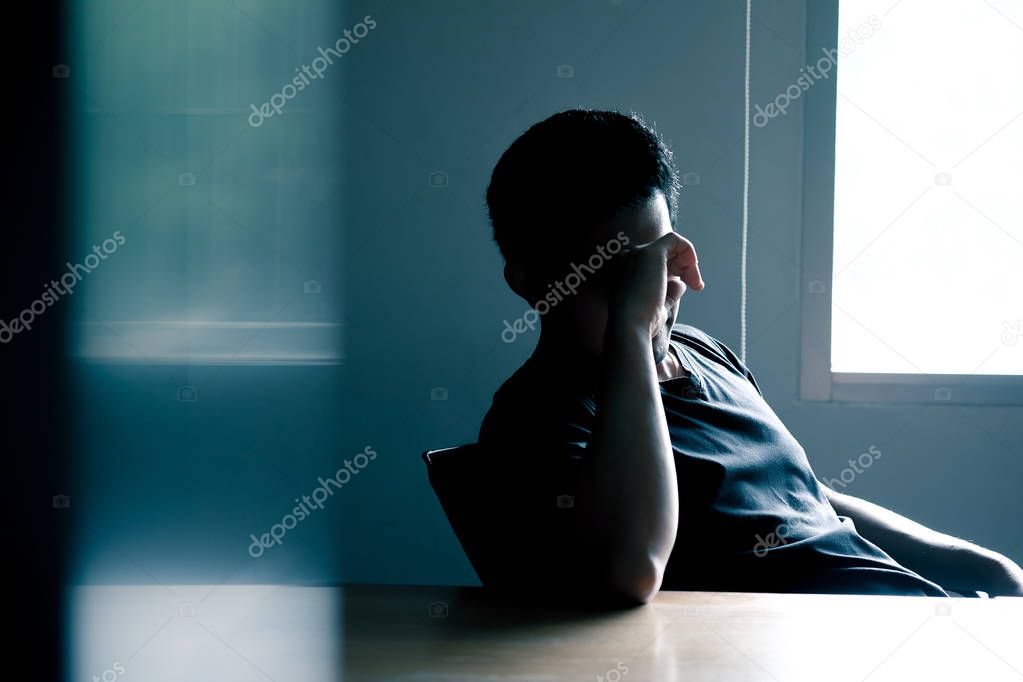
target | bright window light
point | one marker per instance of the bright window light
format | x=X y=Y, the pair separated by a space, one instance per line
x=928 y=232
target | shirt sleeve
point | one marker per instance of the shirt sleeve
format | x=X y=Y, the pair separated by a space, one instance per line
x=532 y=543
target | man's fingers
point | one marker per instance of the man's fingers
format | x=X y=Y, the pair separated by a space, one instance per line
x=681 y=259
x=692 y=277
x=676 y=288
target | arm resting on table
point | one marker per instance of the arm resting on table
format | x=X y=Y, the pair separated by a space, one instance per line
x=951 y=562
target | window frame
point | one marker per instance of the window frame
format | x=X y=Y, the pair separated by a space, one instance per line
x=817 y=381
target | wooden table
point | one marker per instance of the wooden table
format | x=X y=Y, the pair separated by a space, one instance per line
x=306 y=634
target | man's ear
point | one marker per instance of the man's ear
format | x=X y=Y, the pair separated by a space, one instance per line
x=518 y=280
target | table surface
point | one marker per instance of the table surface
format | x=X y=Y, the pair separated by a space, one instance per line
x=398 y=633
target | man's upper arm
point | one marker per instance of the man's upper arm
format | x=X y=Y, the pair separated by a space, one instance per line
x=536 y=541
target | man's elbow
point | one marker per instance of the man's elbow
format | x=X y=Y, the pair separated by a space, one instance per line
x=637 y=580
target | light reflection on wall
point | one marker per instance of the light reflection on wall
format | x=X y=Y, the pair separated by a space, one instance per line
x=222 y=222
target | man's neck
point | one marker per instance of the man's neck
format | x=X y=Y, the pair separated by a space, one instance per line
x=574 y=358
x=670 y=367
x=566 y=355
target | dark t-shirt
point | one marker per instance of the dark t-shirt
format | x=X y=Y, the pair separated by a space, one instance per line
x=752 y=515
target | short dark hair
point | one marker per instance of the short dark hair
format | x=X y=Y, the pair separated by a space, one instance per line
x=568 y=171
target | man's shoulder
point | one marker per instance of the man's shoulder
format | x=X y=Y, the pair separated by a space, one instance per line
x=710 y=348
x=532 y=399
x=700 y=341
x=687 y=332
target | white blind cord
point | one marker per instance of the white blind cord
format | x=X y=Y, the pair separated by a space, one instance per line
x=743 y=284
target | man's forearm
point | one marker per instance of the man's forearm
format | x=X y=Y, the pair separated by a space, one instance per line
x=630 y=475
x=951 y=562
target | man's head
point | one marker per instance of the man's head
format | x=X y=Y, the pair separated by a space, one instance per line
x=569 y=194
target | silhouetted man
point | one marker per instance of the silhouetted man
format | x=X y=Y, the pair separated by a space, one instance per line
x=631 y=453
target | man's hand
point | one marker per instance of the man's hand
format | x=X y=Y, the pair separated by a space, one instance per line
x=628 y=500
x=988 y=571
x=654 y=277
x=951 y=562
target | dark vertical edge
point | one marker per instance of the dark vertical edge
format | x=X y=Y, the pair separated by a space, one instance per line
x=35 y=372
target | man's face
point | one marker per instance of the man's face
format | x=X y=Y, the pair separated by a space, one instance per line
x=581 y=319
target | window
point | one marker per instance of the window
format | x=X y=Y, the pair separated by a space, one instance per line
x=913 y=228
